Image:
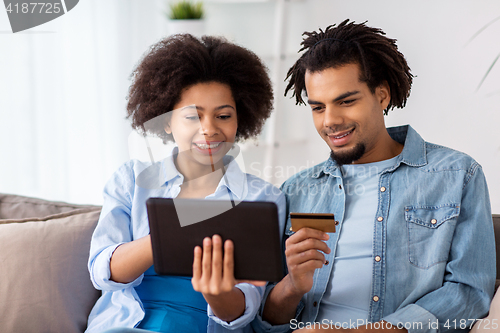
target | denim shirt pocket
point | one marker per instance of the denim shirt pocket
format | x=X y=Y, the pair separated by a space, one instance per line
x=430 y=233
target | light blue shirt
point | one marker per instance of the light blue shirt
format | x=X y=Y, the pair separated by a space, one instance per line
x=124 y=219
x=433 y=249
x=347 y=295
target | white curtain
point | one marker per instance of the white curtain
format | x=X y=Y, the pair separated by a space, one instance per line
x=63 y=88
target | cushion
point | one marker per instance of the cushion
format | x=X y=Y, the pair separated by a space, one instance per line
x=44 y=282
x=496 y=226
x=495 y=306
x=19 y=207
x=489 y=324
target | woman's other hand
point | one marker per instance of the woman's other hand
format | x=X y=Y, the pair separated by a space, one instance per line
x=213 y=276
x=213 y=272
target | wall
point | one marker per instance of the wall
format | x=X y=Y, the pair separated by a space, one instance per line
x=102 y=40
x=445 y=106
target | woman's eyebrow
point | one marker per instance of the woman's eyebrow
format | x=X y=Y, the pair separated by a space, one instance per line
x=224 y=106
x=190 y=107
x=200 y=108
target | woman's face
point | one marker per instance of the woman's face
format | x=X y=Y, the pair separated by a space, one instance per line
x=204 y=123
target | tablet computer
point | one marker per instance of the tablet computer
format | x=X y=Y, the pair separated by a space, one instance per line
x=178 y=225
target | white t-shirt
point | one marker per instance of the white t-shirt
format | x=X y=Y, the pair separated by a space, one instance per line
x=347 y=296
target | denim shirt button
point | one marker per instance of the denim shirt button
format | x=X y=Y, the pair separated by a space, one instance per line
x=433 y=221
x=315 y=304
x=375 y=298
x=340 y=187
x=380 y=218
x=382 y=189
x=327 y=262
x=336 y=222
x=377 y=258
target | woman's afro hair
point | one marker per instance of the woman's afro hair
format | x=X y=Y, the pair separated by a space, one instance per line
x=181 y=61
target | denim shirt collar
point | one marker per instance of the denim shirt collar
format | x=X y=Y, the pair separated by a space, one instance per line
x=413 y=153
x=234 y=179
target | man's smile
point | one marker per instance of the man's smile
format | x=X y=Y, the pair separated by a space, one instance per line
x=340 y=138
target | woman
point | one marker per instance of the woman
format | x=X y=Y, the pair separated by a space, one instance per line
x=219 y=93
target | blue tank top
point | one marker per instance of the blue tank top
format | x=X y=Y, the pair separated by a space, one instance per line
x=171 y=304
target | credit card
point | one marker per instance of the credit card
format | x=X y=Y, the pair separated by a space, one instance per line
x=321 y=221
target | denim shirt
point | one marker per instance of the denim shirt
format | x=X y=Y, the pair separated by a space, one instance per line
x=433 y=242
x=124 y=218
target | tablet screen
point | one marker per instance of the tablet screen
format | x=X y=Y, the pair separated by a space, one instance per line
x=253 y=227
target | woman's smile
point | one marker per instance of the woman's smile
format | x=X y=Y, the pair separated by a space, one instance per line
x=209 y=147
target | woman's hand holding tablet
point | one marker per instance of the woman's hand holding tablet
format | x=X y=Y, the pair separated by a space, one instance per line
x=213 y=276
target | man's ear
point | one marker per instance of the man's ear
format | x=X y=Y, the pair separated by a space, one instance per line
x=383 y=93
x=168 y=130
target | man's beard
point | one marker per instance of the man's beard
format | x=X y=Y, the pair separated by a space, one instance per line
x=349 y=156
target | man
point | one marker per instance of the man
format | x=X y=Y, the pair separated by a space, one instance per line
x=414 y=246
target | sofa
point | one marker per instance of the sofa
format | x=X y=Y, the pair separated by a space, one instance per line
x=44 y=281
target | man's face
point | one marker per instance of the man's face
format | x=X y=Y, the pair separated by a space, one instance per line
x=347 y=115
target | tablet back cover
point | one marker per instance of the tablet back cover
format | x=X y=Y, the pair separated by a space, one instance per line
x=252 y=226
